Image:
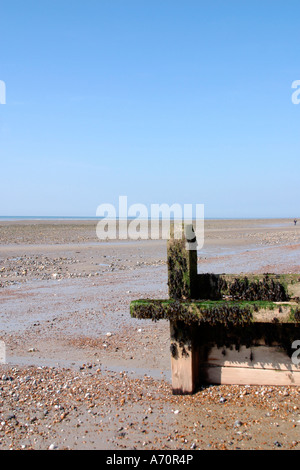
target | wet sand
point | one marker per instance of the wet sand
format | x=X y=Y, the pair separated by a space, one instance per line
x=81 y=373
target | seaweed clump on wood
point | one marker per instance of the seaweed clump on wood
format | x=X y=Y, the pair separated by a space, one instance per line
x=179 y=279
x=295 y=315
x=266 y=289
x=225 y=313
x=177 y=264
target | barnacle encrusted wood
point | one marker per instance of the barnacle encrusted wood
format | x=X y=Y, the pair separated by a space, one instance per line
x=216 y=312
x=251 y=287
x=255 y=354
x=226 y=328
x=185 y=283
x=272 y=287
x=227 y=323
x=192 y=312
x=182 y=264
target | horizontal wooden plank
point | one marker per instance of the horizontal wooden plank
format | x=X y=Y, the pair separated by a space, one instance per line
x=185 y=282
x=256 y=357
x=290 y=284
x=214 y=312
x=247 y=376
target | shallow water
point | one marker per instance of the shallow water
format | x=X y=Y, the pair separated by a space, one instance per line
x=263 y=259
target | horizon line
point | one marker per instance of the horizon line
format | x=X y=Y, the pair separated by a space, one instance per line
x=59 y=217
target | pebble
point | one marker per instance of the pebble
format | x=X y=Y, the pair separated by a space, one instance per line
x=52 y=447
x=60 y=394
x=134 y=407
x=237 y=423
x=9 y=417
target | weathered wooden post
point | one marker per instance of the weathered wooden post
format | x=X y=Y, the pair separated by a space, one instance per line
x=184 y=358
x=182 y=264
x=182 y=282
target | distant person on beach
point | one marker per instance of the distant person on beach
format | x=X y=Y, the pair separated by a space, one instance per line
x=295 y=222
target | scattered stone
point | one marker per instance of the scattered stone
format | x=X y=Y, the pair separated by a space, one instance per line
x=238 y=423
x=52 y=447
x=10 y=416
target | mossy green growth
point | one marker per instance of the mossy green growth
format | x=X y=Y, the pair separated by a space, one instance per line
x=192 y=312
x=267 y=288
x=212 y=312
x=295 y=314
x=182 y=269
x=178 y=278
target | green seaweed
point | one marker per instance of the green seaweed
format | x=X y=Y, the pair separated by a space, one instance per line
x=182 y=269
x=198 y=312
x=266 y=288
x=192 y=312
x=295 y=314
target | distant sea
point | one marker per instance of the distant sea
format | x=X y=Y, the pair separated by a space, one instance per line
x=12 y=218
x=3 y=218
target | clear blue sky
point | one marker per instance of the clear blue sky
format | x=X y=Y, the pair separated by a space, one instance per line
x=164 y=101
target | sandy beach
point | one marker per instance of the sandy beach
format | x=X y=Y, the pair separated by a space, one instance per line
x=80 y=373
